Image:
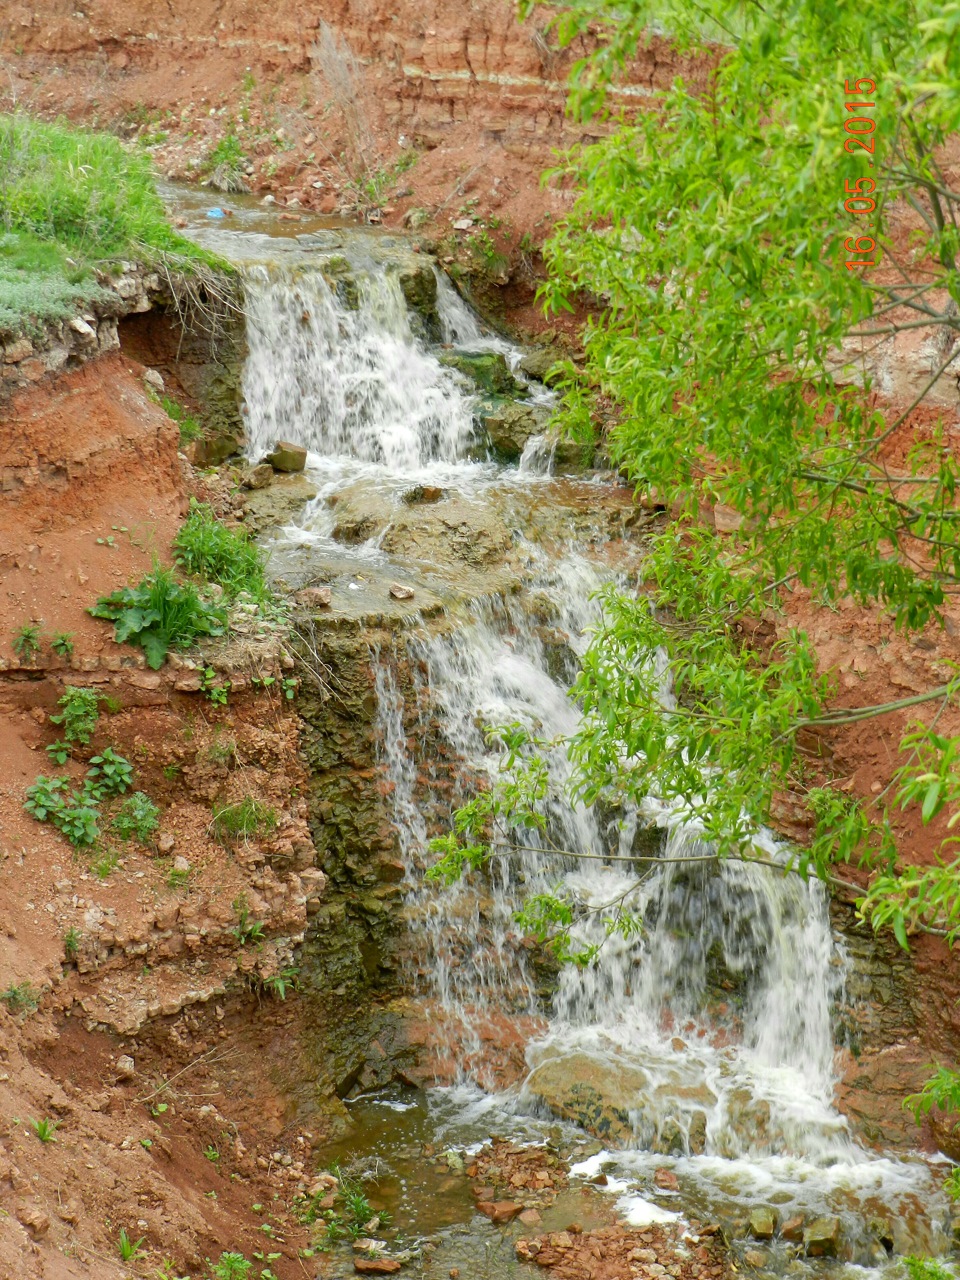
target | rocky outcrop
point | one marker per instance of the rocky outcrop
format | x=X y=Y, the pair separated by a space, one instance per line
x=27 y=359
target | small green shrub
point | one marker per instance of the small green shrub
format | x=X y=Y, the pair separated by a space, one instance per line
x=79 y=820
x=232 y=1266
x=62 y=644
x=72 y=812
x=45 y=1129
x=137 y=817
x=26 y=642
x=206 y=547
x=80 y=714
x=71 y=942
x=110 y=774
x=159 y=614
x=217 y=693
x=21 y=998
x=58 y=752
x=280 y=983
x=244 y=818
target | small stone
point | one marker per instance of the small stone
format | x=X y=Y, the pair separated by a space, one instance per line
x=34 y=1219
x=792 y=1229
x=422 y=493
x=500 y=1210
x=69 y=1211
x=376 y=1266
x=463 y=224
x=166 y=842
x=315 y=597
x=454 y=1273
x=763 y=1222
x=822 y=1238
x=400 y=592
x=126 y=1067
x=666 y=1180
x=153 y=378
x=257 y=477
x=529 y=1217
x=287 y=457
x=755 y=1258
x=180 y=863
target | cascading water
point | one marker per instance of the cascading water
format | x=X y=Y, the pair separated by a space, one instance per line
x=718 y=1018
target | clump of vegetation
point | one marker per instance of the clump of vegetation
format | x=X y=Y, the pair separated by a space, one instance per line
x=26 y=642
x=232 y=1266
x=68 y=200
x=138 y=817
x=129 y=1249
x=62 y=644
x=80 y=714
x=45 y=1129
x=71 y=942
x=243 y=818
x=160 y=614
x=206 y=547
x=72 y=812
x=353 y=1216
x=225 y=165
x=110 y=774
x=190 y=428
x=246 y=930
x=105 y=864
x=21 y=998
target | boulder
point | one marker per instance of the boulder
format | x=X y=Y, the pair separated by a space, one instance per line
x=763 y=1222
x=287 y=457
x=487 y=370
x=510 y=426
x=538 y=364
x=257 y=477
x=315 y=597
x=821 y=1239
x=599 y=1096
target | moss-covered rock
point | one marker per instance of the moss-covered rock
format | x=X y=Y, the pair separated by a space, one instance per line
x=419 y=287
x=487 y=370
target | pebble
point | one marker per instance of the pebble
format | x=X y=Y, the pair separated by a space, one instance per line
x=126 y=1067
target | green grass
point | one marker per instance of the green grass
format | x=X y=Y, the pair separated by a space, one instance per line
x=210 y=550
x=244 y=818
x=69 y=200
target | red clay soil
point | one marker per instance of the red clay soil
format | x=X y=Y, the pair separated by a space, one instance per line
x=177 y=1144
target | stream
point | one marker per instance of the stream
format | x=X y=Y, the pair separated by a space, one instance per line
x=705 y=1044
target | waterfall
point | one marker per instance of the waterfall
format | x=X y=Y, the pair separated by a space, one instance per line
x=346 y=383
x=715 y=1016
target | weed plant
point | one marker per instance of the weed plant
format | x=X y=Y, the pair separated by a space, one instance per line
x=26 y=642
x=80 y=714
x=207 y=548
x=45 y=1129
x=160 y=614
x=190 y=428
x=244 y=818
x=137 y=818
x=21 y=998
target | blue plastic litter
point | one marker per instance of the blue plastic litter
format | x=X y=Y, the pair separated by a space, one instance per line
x=215 y=213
